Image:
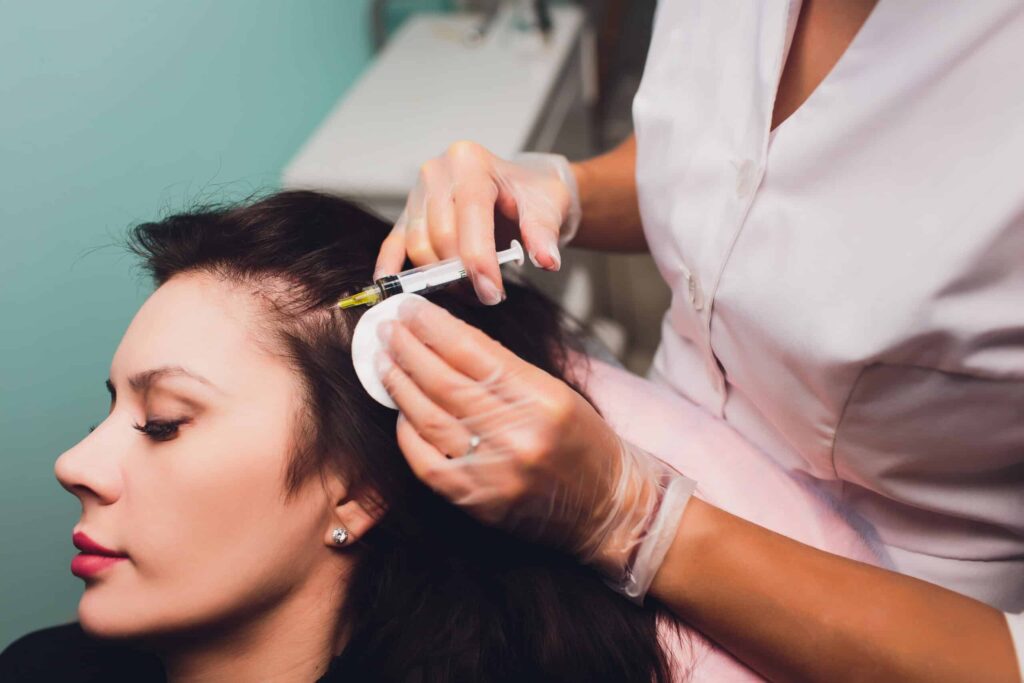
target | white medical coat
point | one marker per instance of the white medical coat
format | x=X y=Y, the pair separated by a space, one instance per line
x=848 y=289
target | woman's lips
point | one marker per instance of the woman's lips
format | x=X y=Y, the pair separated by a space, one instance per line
x=87 y=564
x=94 y=557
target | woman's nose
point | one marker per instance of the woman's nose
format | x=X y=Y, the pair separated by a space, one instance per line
x=90 y=468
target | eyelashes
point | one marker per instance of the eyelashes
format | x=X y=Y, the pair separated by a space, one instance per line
x=160 y=430
x=157 y=430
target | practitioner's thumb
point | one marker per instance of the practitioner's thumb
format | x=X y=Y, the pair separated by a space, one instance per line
x=540 y=238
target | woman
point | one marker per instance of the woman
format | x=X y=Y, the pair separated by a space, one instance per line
x=241 y=476
x=247 y=513
x=830 y=188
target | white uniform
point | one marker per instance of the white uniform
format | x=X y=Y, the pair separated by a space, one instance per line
x=848 y=290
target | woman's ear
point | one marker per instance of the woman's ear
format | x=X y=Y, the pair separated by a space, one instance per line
x=355 y=512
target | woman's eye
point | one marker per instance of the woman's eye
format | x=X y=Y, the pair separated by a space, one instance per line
x=93 y=428
x=160 y=430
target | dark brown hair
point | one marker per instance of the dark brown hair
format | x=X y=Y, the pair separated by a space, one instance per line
x=434 y=596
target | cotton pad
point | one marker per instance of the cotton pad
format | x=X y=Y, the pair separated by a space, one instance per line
x=366 y=344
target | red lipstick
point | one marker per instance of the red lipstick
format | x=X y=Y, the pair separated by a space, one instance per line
x=94 y=557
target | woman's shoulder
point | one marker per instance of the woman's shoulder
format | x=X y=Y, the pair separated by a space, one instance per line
x=67 y=653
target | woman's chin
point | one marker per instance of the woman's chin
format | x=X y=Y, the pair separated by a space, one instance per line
x=106 y=618
x=112 y=614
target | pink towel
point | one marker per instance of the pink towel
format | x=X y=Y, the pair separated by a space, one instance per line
x=731 y=474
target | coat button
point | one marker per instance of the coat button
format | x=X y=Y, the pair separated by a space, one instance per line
x=693 y=291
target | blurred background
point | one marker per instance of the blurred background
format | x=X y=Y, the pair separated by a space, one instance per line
x=119 y=112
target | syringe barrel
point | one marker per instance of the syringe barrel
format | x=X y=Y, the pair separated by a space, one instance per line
x=435 y=276
x=428 y=278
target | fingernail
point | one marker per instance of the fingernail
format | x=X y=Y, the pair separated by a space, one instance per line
x=384 y=331
x=379 y=271
x=556 y=258
x=383 y=363
x=488 y=291
x=533 y=259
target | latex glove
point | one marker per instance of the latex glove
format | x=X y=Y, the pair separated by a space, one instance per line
x=451 y=211
x=518 y=448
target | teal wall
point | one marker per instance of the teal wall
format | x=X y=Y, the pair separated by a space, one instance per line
x=112 y=113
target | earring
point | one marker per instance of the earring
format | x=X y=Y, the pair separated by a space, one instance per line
x=340 y=535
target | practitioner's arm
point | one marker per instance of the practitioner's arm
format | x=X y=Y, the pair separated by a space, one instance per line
x=795 y=613
x=611 y=211
x=541 y=462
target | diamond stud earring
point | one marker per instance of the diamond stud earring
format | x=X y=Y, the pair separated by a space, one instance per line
x=340 y=535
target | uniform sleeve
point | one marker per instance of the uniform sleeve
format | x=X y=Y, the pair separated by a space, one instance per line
x=1016 y=623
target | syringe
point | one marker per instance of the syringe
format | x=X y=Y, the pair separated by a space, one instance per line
x=423 y=279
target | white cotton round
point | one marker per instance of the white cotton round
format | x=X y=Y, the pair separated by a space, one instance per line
x=366 y=344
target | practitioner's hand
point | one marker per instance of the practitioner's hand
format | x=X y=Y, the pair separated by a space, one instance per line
x=451 y=212
x=520 y=449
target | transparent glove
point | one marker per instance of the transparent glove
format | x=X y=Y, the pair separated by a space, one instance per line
x=519 y=449
x=451 y=212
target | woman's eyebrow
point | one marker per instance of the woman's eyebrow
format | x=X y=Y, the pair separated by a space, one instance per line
x=142 y=381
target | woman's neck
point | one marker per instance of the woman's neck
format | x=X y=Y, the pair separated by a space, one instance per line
x=294 y=640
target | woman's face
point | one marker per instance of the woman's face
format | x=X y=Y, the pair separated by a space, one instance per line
x=198 y=503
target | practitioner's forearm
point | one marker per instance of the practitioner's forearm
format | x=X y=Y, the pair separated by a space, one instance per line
x=611 y=213
x=795 y=613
